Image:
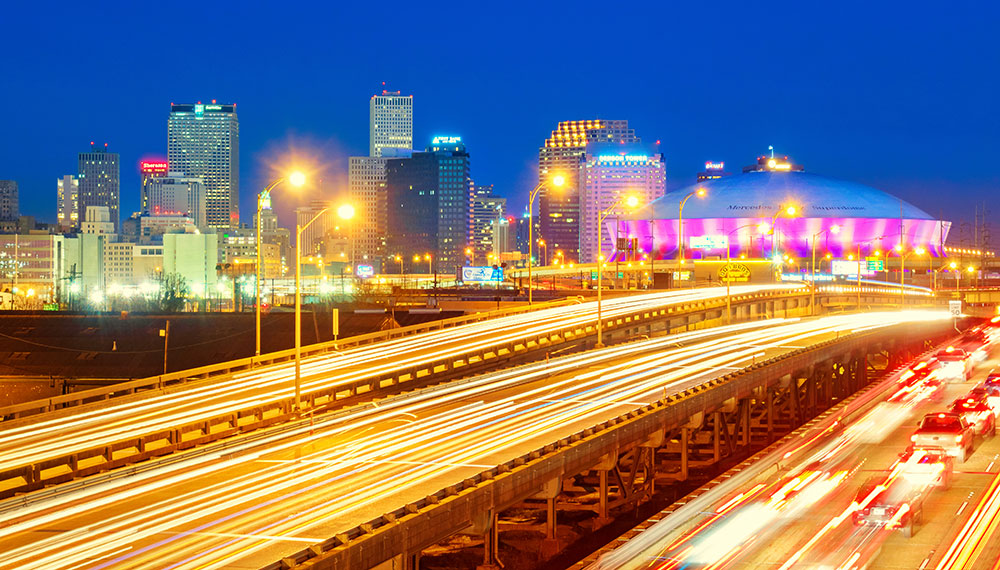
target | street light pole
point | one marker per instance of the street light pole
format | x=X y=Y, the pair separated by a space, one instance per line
x=298 y=308
x=632 y=202
x=295 y=179
x=556 y=181
x=680 y=227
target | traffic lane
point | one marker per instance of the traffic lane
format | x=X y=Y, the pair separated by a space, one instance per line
x=873 y=460
x=275 y=382
x=449 y=475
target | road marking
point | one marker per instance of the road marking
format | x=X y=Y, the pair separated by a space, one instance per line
x=924 y=563
x=989 y=467
x=962 y=508
x=330 y=461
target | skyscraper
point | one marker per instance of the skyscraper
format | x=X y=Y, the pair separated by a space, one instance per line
x=99 y=182
x=487 y=212
x=390 y=131
x=8 y=201
x=430 y=205
x=203 y=141
x=68 y=215
x=609 y=173
x=563 y=154
x=176 y=194
x=390 y=122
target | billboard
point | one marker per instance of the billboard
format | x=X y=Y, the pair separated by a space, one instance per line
x=481 y=274
x=846 y=267
x=365 y=271
x=153 y=166
x=709 y=242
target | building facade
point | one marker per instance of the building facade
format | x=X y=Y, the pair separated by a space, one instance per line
x=68 y=207
x=99 y=182
x=430 y=205
x=98 y=221
x=176 y=195
x=366 y=181
x=390 y=122
x=713 y=171
x=563 y=155
x=9 y=209
x=609 y=174
x=203 y=141
x=488 y=210
x=314 y=234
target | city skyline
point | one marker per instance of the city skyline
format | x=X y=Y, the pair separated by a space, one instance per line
x=867 y=110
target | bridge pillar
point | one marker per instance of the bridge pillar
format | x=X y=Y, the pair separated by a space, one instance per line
x=550 y=546
x=491 y=544
x=685 y=444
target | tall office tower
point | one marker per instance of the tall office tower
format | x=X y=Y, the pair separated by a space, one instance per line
x=203 y=141
x=390 y=122
x=8 y=201
x=99 y=182
x=430 y=205
x=563 y=154
x=487 y=211
x=611 y=172
x=315 y=234
x=176 y=195
x=366 y=184
x=68 y=215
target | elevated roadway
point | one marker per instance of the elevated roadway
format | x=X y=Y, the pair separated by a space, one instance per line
x=82 y=437
x=356 y=478
x=792 y=506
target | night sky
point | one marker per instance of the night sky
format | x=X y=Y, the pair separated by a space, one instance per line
x=902 y=96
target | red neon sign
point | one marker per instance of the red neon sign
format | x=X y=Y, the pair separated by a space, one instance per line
x=150 y=166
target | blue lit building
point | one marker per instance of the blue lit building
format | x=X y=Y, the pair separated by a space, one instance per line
x=430 y=199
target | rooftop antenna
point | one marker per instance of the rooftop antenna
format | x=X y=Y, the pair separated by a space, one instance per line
x=771 y=148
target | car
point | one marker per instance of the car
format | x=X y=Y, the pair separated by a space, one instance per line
x=946 y=430
x=954 y=364
x=992 y=380
x=990 y=394
x=978 y=412
x=896 y=505
x=928 y=466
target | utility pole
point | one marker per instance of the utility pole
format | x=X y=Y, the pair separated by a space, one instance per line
x=165 y=333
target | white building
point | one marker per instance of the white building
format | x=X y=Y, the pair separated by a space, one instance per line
x=203 y=141
x=152 y=228
x=193 y=257
x=98 y=221
x=390 y=122
x=175 y=195
x=609 y=173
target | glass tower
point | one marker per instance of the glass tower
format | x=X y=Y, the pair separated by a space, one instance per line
x=203 y=141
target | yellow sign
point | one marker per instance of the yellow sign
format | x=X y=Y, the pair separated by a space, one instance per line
x=734 y=272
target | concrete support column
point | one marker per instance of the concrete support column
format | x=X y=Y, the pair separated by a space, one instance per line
x=770 y=415
x=685 y=444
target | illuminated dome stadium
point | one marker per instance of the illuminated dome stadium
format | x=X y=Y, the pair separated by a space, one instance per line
x=749 y=212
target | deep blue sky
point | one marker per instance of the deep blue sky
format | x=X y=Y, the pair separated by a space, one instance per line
x=901 y=95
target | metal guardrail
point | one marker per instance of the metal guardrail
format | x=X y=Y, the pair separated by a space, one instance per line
x=382 y=538
x=228 y=367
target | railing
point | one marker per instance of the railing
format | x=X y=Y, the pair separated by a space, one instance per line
x=228 y=367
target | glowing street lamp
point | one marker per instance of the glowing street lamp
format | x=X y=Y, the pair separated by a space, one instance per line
x=297 y=179
x=700 y=192
x=902 y=268
x=556 y=181
x=834 y=229
x=298 y=307
x=631 y=202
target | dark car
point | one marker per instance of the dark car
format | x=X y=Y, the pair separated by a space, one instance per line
x=897 y=505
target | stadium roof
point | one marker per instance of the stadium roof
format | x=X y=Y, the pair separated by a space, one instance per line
x=760 y=194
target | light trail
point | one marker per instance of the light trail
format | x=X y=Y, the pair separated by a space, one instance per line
x=220 y=510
